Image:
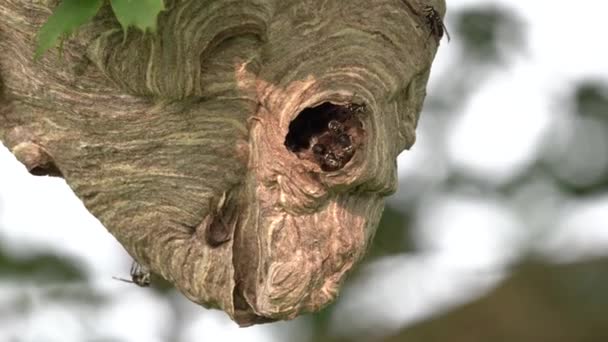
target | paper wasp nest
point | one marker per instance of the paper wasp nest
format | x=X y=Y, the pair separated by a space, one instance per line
x=242 y=151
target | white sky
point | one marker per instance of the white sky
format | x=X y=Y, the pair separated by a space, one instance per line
x=488 y=140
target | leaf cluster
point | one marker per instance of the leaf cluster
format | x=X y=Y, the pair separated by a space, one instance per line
x=70 y=14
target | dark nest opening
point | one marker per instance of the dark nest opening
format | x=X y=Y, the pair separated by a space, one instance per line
x=328 y=134
x=49 y=169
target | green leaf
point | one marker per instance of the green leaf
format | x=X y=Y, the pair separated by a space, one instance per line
x=41 y=267
x=68 y=16
x=139 y=13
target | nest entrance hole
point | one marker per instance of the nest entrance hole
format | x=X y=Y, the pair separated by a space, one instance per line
x=314 y=121
x=329 y=134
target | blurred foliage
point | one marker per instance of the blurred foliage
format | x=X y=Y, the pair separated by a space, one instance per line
x=489 y=32
x=591 y=98
x=485 y=36
x=42 y=268
x=393 y=235
x=538 y=303
x=577 y=155
x=321 y=323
